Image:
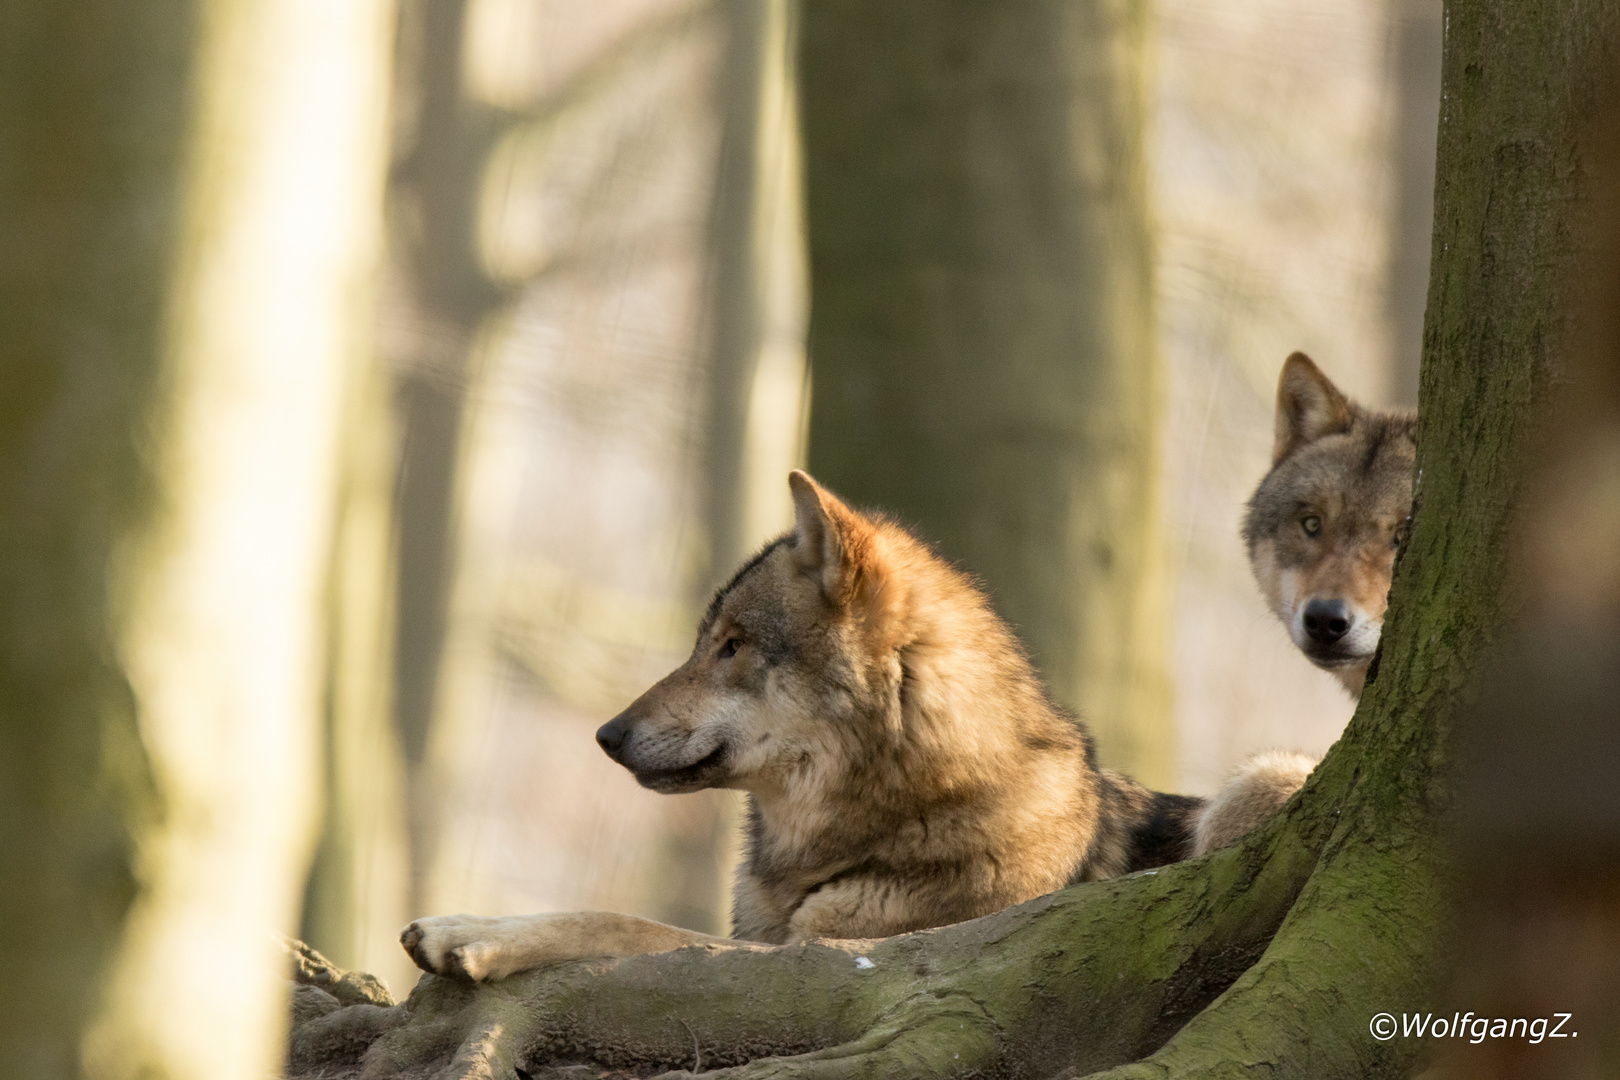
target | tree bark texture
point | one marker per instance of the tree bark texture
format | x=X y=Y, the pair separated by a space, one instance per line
x=1273 y=955
x=981 y=332
x=1538 y=814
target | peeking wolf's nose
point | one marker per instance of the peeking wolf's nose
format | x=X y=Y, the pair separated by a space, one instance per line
x=610 y=736
x=1326 y=621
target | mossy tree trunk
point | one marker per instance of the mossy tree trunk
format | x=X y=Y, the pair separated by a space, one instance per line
x=1538 y=821
x=188 y=197
x=1275 y=954
x=981 y=329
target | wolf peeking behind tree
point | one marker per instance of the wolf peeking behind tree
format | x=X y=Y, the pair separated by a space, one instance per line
x=1322 y=531
x=904 y=764
x=1325 y=524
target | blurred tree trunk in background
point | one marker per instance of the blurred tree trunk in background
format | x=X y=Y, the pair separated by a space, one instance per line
x=554 y=242
x=187 y=225
x=358 y=889
x=356 y=895
x=756 y=374
x=396 y=560
x=442 y=143
x=981 y=332
x=757 y=287
x=93 y=145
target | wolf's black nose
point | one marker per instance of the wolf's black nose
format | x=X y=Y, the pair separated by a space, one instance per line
x=1326 y=621
x=610 y=736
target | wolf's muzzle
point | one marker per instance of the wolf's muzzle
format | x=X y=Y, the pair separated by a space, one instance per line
x=662 y=761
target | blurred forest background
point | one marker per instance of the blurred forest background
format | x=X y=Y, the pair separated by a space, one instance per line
x=547 y=297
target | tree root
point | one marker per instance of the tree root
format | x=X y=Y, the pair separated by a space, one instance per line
x=1101 y=973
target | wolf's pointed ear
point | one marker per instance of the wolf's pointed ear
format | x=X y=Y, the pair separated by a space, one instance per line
x=830 y=541
x=1309 y=406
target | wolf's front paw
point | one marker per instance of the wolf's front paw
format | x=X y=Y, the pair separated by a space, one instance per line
x=455 y=946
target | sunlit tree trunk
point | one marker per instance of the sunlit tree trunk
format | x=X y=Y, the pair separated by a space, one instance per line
x=981 y=331
x=356 y=896
x=187 y=224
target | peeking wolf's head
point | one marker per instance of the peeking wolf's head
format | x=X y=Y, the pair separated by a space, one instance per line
x=1325 y=524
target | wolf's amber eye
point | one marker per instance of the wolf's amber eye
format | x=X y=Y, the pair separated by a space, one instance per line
x=1311 y=524
x=729 y=649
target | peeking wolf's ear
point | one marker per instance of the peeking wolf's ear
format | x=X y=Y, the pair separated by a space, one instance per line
x=831 y=542
x=1309 y=406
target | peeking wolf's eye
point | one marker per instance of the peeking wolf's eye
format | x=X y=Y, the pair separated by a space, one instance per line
x=1311 y=524
x=1399 y=538
x=729 y=649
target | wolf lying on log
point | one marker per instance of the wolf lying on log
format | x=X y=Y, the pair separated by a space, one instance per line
x=904 y=765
